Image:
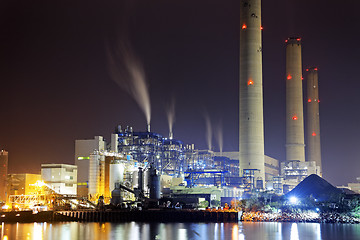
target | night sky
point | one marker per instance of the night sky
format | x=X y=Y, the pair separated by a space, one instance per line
x=56 y=86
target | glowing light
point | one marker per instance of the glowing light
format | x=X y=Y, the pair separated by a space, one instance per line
x=298 y=39
x=307 y=69
x=295 y=118
x=302 y=78
x=250 y=82
x=5 y=207
x=261 y=28
x=5 y=237
x=318 y=100
x=309 y=100
x=244 y=26
x=39 y=183
x=314 y=134
x=235 y=232
x=289 y=77
x=286 y=40
x=293 y=200
x=315 y=69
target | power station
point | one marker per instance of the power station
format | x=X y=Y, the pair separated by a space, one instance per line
x=251 y=123
x=313 y=148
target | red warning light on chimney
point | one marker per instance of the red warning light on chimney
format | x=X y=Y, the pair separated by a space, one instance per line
x=244 y=26
x=261 y=28
x=309 y=100
x=314 y=134
x=289 y=77
x=294 y=118
x=250 y=82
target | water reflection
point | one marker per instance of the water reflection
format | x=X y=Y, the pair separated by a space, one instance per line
x=179 y=231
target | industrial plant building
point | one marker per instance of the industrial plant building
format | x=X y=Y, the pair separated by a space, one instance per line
x=61 y=178
x=3 y=174
x=22 y=183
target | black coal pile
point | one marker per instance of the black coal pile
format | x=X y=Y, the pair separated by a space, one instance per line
x=316 y=187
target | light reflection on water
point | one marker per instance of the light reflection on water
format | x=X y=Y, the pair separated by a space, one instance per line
x=179 y=231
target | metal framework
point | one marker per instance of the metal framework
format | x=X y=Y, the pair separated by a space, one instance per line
x=27 y=199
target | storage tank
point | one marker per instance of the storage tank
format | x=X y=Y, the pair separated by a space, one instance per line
x=116 y=174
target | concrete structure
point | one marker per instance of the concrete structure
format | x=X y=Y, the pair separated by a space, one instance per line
x=251 y=126
x=62 y=178
x=23 y=184
x=293 y=172
x=313 y=148
x=83 y=149
x=295 y=147
x=271 y=165
x=3 y=174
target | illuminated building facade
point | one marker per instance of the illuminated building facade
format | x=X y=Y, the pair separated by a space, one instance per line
x=3 y=174
x=23 y=184
x=61 y=178
x=83 y=149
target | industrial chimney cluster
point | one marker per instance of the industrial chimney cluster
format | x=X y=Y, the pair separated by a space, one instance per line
x=251 y=137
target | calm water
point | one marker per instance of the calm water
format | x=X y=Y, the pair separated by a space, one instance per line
x=180 y=231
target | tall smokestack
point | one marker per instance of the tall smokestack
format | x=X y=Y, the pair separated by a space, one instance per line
x=295 y=147
x=313 y=149
x=251 y=126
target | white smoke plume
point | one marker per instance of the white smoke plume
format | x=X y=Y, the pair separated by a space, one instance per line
x=219 y=136
x=127 y=71
x=170 y=112
x=208 y=131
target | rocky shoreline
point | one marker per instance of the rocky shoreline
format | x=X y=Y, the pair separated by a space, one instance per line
x=328 y=217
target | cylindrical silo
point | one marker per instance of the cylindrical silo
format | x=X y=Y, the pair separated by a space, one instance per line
x=295 y=147
x=313 y=148
x=116 y=174
x=251 y=129
x=96 y=175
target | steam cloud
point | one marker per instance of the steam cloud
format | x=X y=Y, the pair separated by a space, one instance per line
x=219 y=136
x=170 y=112
x=208 y=131
x=127 y=71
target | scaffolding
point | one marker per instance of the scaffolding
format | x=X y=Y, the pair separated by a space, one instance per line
x=28 y=200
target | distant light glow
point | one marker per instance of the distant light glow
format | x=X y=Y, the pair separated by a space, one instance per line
x=286 y=40
x=318 y=100
x=298 y=39
x=309 y=100
x=295 y=118
x=289 y=77
x=244 y=26
x=261 y=28
x=315 y=69
x=250 y=82
x=307 y=69
x=293 y=200
x=83 y=158
x=314 y=134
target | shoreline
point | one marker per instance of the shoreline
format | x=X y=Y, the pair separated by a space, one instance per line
x=171 y=215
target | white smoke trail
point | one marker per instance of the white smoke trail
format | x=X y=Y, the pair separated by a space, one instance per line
x=208 y=131
x=219 y=136
x=127 y=71
x=170 y=112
